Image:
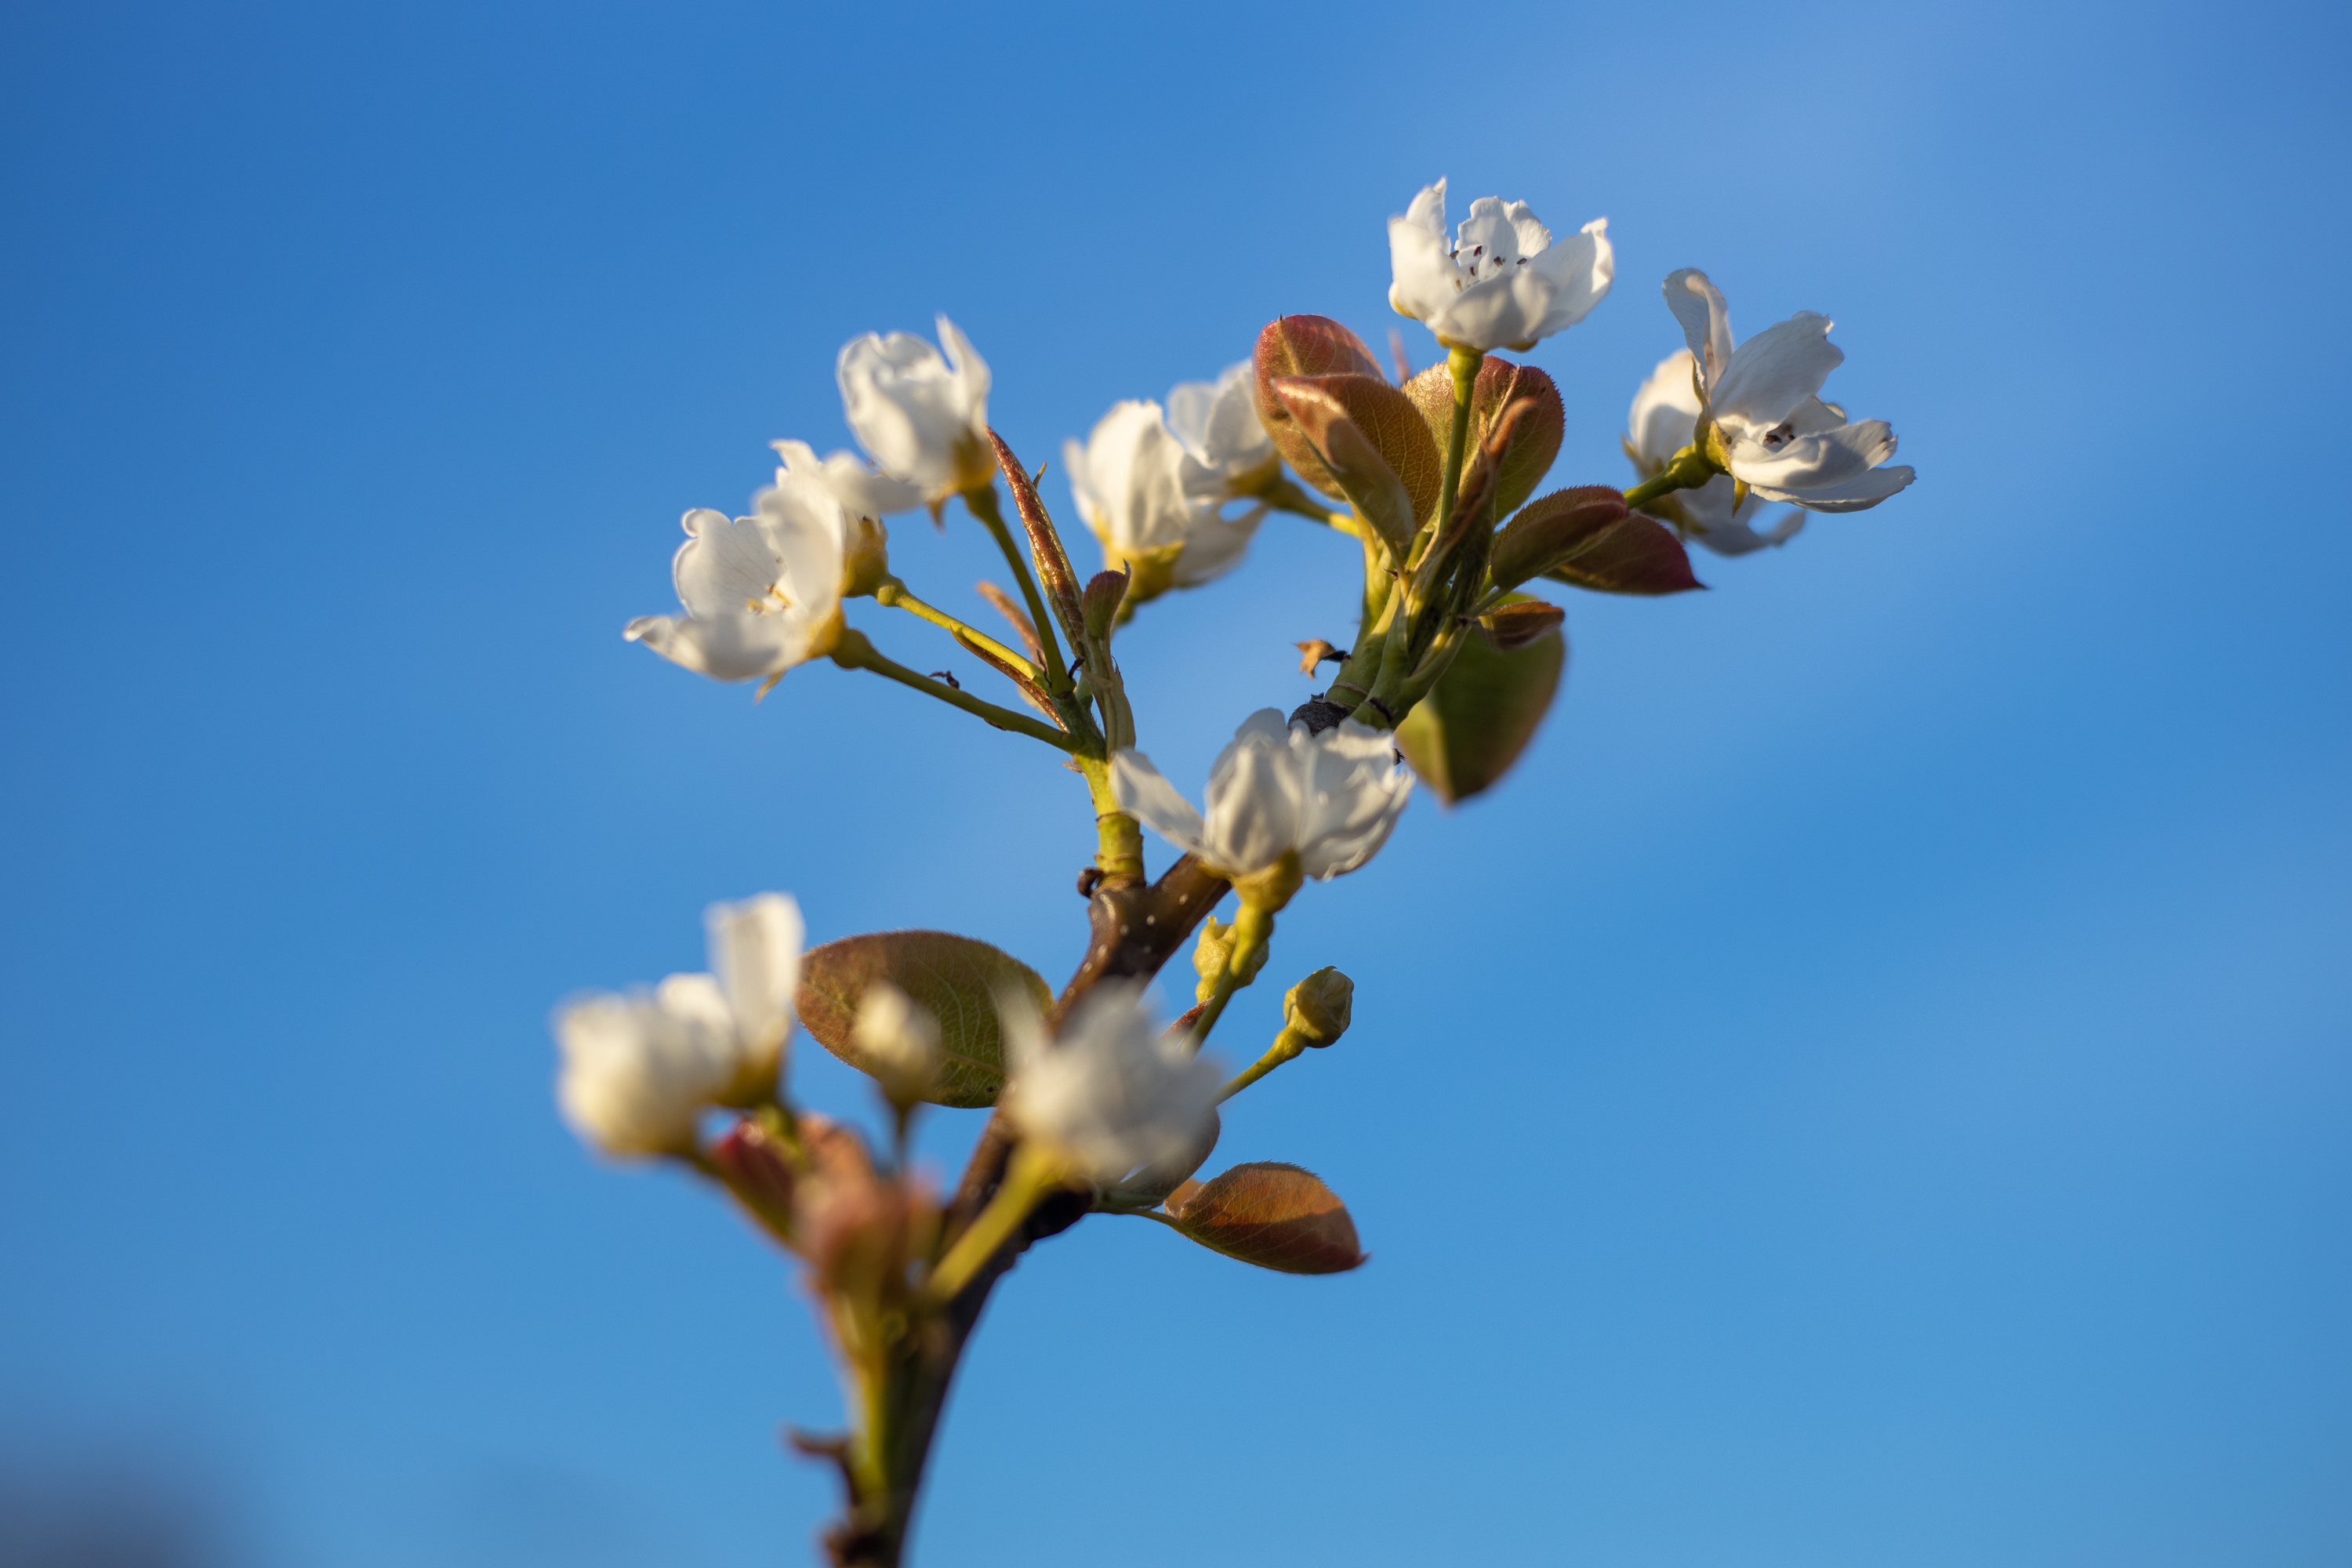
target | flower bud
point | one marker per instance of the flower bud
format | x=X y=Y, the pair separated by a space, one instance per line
x=1318 y=1007
x=1100 y=602
x=1210 y=954
x=899 y=1041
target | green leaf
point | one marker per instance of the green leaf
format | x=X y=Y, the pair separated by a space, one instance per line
x=1535 y=438
x=1274 y=1215
x=1305 y=345
x=1471 y=728
x=954 y=976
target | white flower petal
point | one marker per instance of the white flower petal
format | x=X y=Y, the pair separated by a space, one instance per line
x=1774 y=372
x=1706 y=319
x=1427 y=210
x=1580 y=270
x=861 y=488
x=1144 y=793
x=1857 y=494
x=1422 y=278
x=1664 y=415
x=1729 y=537
x=1809 y=462
x=1111 y=1092
x=922 y=417
x=727 y=566
x=726 y=648
x=637 y=1069
x=755 y=954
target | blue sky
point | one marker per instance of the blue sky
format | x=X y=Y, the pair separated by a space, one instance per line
x=1872 y=1088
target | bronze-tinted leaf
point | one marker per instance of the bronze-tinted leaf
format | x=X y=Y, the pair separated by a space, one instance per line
x=1535 y=438
x=1473 y=725
x=1551 y=530
x=1305 y=345
x=1635 y=555
x=954 y=976
x=1394 y=427
x=1514 y=625
x=1319 y=414
x=1273 y=1214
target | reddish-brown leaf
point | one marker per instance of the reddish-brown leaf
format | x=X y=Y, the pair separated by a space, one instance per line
x=1319 y=415
x=1551 y=529
x=1274 y=1215
x=1534 y=440
x=1305 y=345
x=1633 y=555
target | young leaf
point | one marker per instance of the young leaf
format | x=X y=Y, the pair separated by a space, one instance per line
x=1394 y=427
x=1471 y=728
x=1552 y=529
x=1320 y=415
x=1633 y=555
x=1305 y=345
x=954 y=976
x=1535 y=438
x=1273 y=1214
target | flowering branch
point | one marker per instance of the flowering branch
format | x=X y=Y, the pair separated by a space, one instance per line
x=1094 y=1107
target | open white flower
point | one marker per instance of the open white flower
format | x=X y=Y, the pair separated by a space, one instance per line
x=1663 y=421
x=1763 y=399
x=1130 y=481
x=639 y=1069
x=1330 y=799
x=762 y=593
x=1111 y=1093
x=1501 y=282
x=922 y=417
x=1227 y=452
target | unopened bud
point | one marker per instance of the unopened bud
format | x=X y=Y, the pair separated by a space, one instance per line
x=1100 y=602
x=1210 y=954
x=865 y=557
x=1319 y=1006
x=898 y=1041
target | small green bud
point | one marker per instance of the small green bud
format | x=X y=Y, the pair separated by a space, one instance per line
x=1101 y=600
x=1318 y=1007
x=1210 y=954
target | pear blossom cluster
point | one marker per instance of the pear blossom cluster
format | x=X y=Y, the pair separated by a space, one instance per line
x=1437 y=485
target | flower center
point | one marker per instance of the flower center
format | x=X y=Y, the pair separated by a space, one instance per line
x=1480 y=263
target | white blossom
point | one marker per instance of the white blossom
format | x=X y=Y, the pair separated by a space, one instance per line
x=899 y=1039
x=1763 y=398
x=1112 y=1092
x=1501 y=282
x=1663 y=421
x=1332 y=798
x=1227 y=452
x=761 y=593
x=922 y=417
x=1130 y=482
x=639 y=1069
x=861 y=488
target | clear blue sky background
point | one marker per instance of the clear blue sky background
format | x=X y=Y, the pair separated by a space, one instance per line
x=1872 y=1090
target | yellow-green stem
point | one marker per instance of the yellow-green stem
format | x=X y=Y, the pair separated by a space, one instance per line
x=892 y=594
x=1286 y=1047
x=1463 y=363
x=1031 y=1175
x=854 y=652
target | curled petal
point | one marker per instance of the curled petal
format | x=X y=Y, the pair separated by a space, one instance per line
x=1773 y=373
x=1144 y=793
x=1699 y=305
